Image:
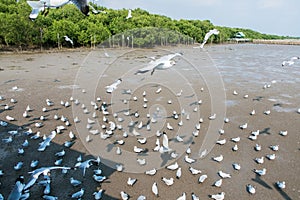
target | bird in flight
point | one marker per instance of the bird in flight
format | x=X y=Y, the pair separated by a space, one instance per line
x=41 y=5
x=162 y=63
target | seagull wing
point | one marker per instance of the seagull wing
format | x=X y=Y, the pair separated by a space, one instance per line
x=37 y=7
x=82 y=5
x=207 y=36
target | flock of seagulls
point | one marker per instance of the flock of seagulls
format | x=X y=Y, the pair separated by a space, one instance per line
x=40 y=175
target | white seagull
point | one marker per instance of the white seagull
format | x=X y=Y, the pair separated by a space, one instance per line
x=290 y=62
x=207 y=36
x=129 y=15
x=41 y=5
x=162 y=63
x=155 y=189
x=112 y=87
x=36 y=173
x=219 y=196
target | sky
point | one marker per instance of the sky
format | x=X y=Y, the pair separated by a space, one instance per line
x=278 y=17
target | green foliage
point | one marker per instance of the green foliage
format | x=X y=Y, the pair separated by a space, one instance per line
x=17 y=29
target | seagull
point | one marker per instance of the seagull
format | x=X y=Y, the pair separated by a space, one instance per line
x=141 y=161
x=98 y=195
x=218 y=183
x=250 y=189
x=9 y=118
x=7 y=140
x=259 y=160
x=244 y=126
x=75 y=182
x=182 y=197
x=280 y=184
x=283 y=133
x=219 y=196
x=151 y=172
x=223 y=174
x=61 y=153
x=131 y=181
x=289 y=62
x=124 y=195
x=129 y=15
x=78 y=195
x=173 y=166
x=194 y=197
x=162 y=63
x=179 y=139
x=218 y=158
x=34 y=163
x=158 y=90
x=236 y=166
x=48 y=197
x=112 y=87
x=165 y=144
x=194 y=171
x=47 y=141
x=212 y=117
x=207 y=36
x=189 y=160
x=16 y=192
x=202 y=178
x=43 y=170
x=221 y=142
x=271 y=156
x=155 y=189
x=99 y=179
x=274 y=147
x=168 y=182
x=260 y=172
x=237 y=139
x=86 y=164
x=18 y=166
x=235 y=147
x=40 y=6
x=178 y=173
x=68 y=40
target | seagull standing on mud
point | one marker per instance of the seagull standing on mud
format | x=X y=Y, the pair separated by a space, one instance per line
x=162 y=63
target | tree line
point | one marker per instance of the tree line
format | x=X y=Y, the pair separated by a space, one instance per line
x=16 y=29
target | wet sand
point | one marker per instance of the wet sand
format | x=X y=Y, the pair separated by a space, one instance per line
x=218 y=70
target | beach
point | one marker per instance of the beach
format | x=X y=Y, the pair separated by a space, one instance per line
x=210 y=75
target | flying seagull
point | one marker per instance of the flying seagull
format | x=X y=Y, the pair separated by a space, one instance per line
x=290 y=62
x=36 y=173
x=112 y=87
x=207 y=36
x=68 y=40
x=129 y=15
x=162 y=63
x=41 y=5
